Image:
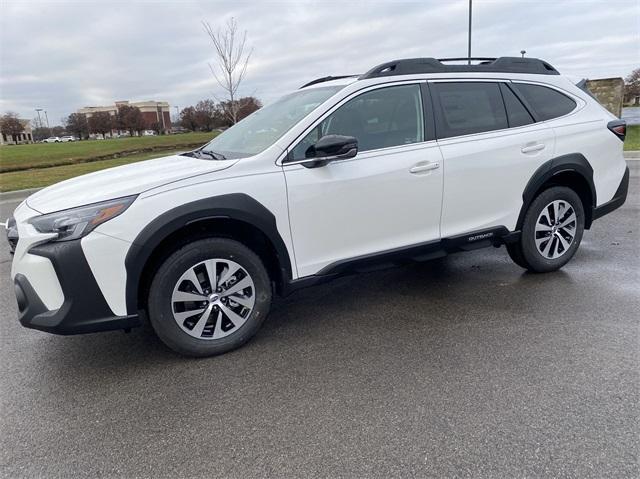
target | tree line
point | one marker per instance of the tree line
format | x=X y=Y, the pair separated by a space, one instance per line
x=208 y=115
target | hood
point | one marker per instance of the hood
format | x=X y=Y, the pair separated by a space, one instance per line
x=121 y=181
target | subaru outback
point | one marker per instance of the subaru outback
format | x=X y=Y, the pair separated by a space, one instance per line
x=413 y=160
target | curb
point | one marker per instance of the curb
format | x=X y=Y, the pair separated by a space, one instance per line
x=22 y=194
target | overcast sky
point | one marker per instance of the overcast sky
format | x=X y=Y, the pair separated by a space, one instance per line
x=61 y=55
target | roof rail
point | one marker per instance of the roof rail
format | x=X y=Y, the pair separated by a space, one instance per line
x=466 y=59
x=324 y=79
x=431 y=65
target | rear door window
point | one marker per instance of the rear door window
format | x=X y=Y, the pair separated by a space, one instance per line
x=465 y=108
x=545 y=102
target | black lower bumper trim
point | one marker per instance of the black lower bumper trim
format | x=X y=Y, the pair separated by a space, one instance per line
x=618 y=198
x=84 y=309
x=35 y=315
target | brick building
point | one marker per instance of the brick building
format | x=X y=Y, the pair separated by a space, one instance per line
x=152 y=112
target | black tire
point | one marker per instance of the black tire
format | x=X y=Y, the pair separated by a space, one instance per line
x=515 y=253
x=525 y=252
x=160 y=293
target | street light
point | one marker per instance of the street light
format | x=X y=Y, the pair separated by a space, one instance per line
x=45 y=115
x=38 y=110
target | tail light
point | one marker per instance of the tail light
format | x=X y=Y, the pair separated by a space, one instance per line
x=618 y=128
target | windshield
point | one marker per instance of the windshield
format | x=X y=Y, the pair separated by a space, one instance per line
x=264 y=127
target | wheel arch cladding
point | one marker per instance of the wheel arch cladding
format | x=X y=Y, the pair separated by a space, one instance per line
x=228 y=216
x=573 y=171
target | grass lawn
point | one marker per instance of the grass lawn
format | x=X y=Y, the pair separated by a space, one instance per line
x=41 y=177
x=43 y=155
x=632 y=141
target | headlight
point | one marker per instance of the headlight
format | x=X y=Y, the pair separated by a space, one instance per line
x=78 y=222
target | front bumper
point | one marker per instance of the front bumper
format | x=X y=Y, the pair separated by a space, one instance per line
x=617 y=201
x=84 y=309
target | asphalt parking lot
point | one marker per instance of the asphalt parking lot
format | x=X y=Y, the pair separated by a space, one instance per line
x=461 y=367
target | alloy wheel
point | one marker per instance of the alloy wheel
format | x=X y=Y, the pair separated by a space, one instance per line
x=555 y=229
x=213 y=299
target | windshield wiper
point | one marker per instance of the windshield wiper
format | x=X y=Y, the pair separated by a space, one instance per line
x=211 y=154
x=208 y=153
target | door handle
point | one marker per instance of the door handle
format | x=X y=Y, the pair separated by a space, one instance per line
x=422 y=167
x=533 y=148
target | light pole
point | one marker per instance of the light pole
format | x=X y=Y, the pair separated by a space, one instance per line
x=469 y=44
x=45 y=115
x=38 y=110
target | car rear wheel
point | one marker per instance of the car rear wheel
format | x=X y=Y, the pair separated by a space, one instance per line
x=551 y=232
x=209 y=297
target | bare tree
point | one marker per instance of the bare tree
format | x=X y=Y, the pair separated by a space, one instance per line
x=77 y=124
x=232 y=59
x=210 y=115
x=130 y=118
x=188 y=118
x=10 y=124
x=100 y=122
x=632 y=87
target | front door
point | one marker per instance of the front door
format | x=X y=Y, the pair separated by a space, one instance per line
x=387 y=197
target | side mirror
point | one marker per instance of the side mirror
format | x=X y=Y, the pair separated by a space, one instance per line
x=331 y=148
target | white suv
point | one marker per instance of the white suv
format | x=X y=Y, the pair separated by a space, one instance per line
x=413 y=160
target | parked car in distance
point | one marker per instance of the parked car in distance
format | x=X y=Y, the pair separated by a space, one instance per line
x=413 y=160
x=52 y=139
x=67 y=138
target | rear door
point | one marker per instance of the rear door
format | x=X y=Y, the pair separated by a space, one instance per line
x=491 y=147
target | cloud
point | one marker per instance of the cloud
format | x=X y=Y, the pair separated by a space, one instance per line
x=63 y=55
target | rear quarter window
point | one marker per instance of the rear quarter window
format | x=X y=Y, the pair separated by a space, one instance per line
x=545 y=102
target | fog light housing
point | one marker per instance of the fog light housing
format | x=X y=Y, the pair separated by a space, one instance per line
x=20 y=297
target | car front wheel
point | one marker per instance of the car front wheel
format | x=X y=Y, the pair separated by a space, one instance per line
x=551 y=232
x=209 y=297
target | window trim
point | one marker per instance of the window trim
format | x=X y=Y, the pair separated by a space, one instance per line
x=532 y=110
x=283 y=159
x=504 y=86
